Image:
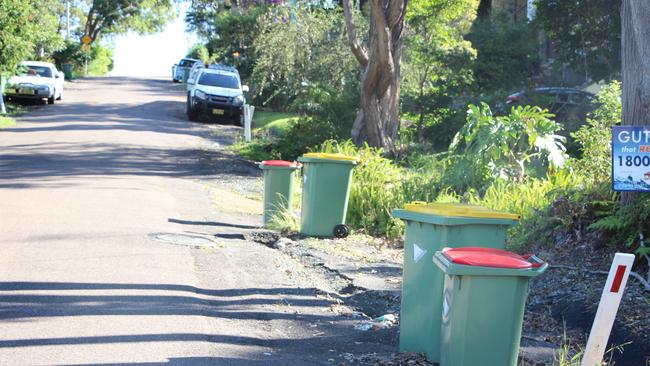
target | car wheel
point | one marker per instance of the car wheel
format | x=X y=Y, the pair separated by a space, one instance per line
x=60 y=96
x=238 y=121
x=192 y=114
x=50 y=100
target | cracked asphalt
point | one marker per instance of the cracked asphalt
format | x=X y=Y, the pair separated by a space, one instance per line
x=88 y=188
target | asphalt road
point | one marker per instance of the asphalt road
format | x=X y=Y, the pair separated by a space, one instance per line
x=94 y=192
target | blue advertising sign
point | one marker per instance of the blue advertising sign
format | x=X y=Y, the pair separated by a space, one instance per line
x=631 y=158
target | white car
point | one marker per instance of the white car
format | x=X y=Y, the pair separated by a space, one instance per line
x=36 y=81
x=216 y=91
x=180 y=69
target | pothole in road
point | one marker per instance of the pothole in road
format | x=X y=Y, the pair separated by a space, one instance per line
x=183 y=239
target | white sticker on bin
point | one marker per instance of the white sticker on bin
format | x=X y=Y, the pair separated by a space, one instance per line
x=418 y=253
x=445 y=306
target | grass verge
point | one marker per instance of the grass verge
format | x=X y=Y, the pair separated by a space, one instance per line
x=6 y=122
x=276 y=123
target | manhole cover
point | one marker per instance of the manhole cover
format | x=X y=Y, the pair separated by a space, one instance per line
x=182 y=239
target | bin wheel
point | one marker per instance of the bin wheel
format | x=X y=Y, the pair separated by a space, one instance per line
x=341 y=231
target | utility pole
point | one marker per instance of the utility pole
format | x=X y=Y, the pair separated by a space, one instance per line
x=67 y=19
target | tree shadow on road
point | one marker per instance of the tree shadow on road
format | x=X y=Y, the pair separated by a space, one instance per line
x=309 y=345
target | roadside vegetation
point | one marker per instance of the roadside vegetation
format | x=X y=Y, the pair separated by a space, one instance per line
x=6 y=122
x=459 y=140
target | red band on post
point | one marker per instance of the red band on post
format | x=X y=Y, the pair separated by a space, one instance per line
x=618 y=278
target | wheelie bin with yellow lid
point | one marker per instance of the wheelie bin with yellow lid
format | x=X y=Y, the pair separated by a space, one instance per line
x=429 y=228
x=325 y=193
x=484 y=298
x=278 y=187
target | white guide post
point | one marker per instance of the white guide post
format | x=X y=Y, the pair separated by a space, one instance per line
x=607 y=309
x=248 y=120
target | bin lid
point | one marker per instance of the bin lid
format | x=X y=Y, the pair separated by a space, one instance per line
x=330 y=156
x=487 y=257
x=282 y=163
x=458 y=210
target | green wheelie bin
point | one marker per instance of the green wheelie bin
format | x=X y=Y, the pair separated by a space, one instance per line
x=326 y=188
x=429 y=228
x=278 y=187
x=67 y=71
x=484 y=299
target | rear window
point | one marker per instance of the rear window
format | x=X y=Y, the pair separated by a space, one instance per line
x=42 y=71
x=219 y=80
x=186 y=63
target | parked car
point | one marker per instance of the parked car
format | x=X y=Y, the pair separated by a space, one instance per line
x=183 y=66
x=563 y=102
x=194 y=72
x=35 y=81
x=216 y=92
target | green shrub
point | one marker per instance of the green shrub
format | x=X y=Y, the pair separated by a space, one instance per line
x=521 y=144
x=595 y=137
x=100 y=58
x=507 y=54
x=199 y=52
x=531 y=200
x=302 y=134
x=304 y=62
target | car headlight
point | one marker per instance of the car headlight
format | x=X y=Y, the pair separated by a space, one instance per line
x=199 y=94
x=42 y=88
x=239 y=100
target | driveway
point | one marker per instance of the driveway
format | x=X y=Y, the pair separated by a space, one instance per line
x=114 y=252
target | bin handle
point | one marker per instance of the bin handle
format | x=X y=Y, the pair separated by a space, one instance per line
x=535 y=260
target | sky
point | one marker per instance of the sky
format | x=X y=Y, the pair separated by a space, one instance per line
x=152 y=55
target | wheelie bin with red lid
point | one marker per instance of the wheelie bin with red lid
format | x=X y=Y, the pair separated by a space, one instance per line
x=484 y=298
x=429 y=228
x=279 y=176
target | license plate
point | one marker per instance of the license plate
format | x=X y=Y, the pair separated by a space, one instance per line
x=219 y=112
x=25 y=91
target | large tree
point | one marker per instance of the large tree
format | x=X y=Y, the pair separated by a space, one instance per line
x=586 y=33
x=437 y=59
x=635 y=25
x=635 y=17
x=121 y=16
x=378 y=119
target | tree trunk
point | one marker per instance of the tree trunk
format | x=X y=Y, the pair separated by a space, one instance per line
x=635 y=48
x=378 y=121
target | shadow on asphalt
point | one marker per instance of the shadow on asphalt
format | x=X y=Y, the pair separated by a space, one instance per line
x=211 y=223
x=21 y=306
x=36 y=163
x=184 y=361
x=335 y=334
x=36 y=286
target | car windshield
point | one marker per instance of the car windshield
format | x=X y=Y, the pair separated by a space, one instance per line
x=30 y=70
x=220 y=80
x=186 y=63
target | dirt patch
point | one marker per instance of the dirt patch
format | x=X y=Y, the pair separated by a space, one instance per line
x=562 y=304
x=231 y=202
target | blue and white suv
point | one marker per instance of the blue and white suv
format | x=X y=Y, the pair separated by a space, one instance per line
x=216 y=91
